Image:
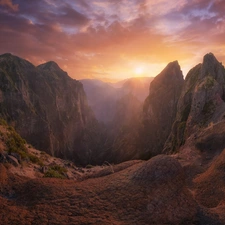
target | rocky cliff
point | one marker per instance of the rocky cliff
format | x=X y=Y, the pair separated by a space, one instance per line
x=46 y=106
x=159 y=109
x=201 y=103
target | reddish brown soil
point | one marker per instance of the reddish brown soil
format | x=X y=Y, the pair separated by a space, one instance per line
x=152 y=192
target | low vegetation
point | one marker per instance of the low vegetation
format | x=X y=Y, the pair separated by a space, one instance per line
x=56 y=171
x=16 y=144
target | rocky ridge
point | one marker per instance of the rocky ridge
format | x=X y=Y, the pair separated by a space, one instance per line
x=47 y=107
x=159 y=110
x=201 y=103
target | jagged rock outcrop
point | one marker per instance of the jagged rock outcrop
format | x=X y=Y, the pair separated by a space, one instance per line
x=47 y=107
x=201 y=103
x=159 y=109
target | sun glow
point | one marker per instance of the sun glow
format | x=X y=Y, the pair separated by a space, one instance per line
x=139 y=70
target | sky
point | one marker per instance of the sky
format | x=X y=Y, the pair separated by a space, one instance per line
x=113 y=39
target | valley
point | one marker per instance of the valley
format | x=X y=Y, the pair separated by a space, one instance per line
x=154 y=160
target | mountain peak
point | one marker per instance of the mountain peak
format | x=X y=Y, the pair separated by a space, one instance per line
x=171 y=73
x=6 y=55
x=8 y=58
x=209 y=59
x=51 y=65
x=211 y=67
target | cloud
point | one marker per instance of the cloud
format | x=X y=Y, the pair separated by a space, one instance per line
x=9 y=5
x=103 y=38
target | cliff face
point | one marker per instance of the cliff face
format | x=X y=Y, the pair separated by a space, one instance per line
x=159 y=109
x=46 y=106
x=201 y=103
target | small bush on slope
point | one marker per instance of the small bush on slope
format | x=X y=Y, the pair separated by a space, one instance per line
x=56 y=171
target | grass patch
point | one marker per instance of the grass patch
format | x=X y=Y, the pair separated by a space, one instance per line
x=35 y=159
x=3 y=122
x=56 y=171
x=209 y=82
x=16 y=144
x=89 y=166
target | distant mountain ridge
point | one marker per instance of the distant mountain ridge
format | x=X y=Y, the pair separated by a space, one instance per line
x=103 y=96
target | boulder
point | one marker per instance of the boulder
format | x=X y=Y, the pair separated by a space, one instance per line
x=11 y=159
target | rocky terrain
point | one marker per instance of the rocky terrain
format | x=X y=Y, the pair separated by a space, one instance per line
x=201 y=103
x=186 y=186
x=159 y=110
x=36 y=188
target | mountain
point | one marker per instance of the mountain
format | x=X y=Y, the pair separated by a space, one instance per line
x=144 y=192
x=103 y=97
x=185 y=187
x=119 y=109
x=159 y=110
x=202 y=102
x=138 y=86
x=47 y=107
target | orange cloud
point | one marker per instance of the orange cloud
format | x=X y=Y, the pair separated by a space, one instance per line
x=9 y=4
x=109 y=39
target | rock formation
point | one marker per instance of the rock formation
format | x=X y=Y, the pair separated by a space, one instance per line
x=134 y=192
x=159 y=109
x=201 y=103
x=47 y=107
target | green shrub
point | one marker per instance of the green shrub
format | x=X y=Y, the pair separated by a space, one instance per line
x=56 y=171
x=89 y=166
x=3 y=122
x=35 y=159
x=210 y=81
x=54 y=174
x=15 y=143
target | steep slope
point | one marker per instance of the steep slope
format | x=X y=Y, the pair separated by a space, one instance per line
x=201 y=103
x=46 y=106
x=159 y=109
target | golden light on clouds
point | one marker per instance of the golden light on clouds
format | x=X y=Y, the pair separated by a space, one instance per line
x=112 y=40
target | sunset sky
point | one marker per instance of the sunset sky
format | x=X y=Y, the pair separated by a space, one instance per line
x=113 y=39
